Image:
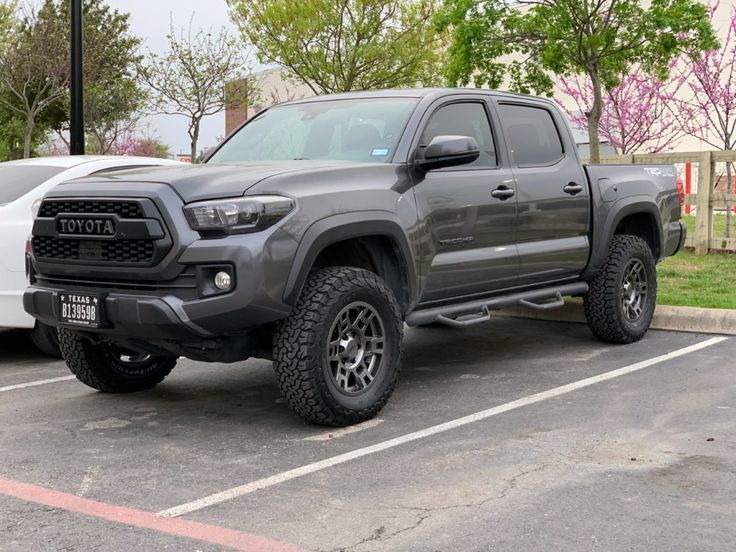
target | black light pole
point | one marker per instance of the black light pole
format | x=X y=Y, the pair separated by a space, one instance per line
x=76 y=126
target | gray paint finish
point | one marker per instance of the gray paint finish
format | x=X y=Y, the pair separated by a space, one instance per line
x=455 y=237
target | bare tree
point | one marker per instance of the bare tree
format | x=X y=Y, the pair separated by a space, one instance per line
x=34 y=72
x=191 y=78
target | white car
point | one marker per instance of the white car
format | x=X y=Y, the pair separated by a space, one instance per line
x=22 y=185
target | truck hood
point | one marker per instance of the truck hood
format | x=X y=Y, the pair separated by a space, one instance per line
x=211 y=181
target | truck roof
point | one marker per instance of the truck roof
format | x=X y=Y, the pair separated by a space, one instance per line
x=414 y=93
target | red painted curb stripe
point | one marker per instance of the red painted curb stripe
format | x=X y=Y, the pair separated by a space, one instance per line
x=146 y=520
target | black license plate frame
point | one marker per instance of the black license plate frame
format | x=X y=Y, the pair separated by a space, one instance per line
x=81 y=310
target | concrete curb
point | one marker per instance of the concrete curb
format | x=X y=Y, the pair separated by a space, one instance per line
x=680 y=319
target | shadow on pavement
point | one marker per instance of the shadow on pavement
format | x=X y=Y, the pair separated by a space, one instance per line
x=16 y=345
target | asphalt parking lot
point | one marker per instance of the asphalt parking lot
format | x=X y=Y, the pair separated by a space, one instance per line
x=514 y=435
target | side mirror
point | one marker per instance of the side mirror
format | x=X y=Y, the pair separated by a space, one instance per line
x=207 y=153
x=449 y=151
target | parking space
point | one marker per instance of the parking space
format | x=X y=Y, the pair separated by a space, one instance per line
x=515 y=435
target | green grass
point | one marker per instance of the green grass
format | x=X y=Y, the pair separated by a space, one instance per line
x=719 y=225
x=691 y=281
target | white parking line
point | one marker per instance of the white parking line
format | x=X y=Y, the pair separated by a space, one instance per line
x=260 y=484
x=35 y=383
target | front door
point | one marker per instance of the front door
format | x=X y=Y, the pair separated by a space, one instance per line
x=551 y=191
x=469 y=233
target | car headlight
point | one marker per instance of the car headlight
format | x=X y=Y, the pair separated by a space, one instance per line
x=239 y=215
x=35 y=208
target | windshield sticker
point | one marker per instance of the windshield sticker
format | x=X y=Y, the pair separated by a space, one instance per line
x=379 y=152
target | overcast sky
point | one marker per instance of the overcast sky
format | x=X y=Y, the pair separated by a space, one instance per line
x=149 y=19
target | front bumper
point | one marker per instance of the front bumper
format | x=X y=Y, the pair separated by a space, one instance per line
x=12 y=314
x=125 y=315
x=260 y=262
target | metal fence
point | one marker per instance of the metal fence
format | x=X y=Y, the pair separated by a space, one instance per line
x=709 y=179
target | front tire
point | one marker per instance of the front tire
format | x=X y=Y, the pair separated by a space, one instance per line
x=109 y=368
x=620 y=302
x=338 y=355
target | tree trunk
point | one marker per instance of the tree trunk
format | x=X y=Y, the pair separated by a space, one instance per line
x=594 y=117
x=28 y=138
x=194 y=135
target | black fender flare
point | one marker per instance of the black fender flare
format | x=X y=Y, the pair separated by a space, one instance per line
x=345 y=226
x=603 y=235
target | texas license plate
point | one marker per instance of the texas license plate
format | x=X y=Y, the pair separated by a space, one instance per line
x=80 y=309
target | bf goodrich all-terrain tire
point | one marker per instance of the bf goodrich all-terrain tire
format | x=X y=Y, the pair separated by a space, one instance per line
x=45 y=339
x=620 y=303
x=338 y=355
x=111 y=369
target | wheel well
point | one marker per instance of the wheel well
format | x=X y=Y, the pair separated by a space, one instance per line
x=643 y=225
x=379 y=254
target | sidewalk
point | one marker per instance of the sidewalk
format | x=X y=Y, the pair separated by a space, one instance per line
x=681 y=319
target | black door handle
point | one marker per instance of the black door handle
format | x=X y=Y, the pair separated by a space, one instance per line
x=503 y=193
x=572 y=188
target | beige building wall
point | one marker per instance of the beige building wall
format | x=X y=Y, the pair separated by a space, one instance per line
x=272 y=87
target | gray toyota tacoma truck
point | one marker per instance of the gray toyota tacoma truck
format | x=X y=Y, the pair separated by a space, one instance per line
x=315 y=232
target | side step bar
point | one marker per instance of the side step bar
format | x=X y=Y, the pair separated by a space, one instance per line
x=480 y=309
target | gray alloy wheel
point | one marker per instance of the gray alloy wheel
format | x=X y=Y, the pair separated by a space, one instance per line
x=355 y=348
x=132 y=364
x=634 y=290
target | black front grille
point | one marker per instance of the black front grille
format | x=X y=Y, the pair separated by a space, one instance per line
x=124 y=209
x=54 y=248
x=120 y=251
x=138 y=242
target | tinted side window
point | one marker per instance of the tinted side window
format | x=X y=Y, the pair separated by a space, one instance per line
x=531 y=133
x=463 y=119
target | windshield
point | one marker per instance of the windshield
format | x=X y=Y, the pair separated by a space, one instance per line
x=364 y=130
x=18 y=180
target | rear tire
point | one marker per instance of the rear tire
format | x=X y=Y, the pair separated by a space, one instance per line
x=338 y=355
x=46 y=340
x=620 y=302
x=109 y=368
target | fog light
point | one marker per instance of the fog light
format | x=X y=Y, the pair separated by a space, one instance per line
x=223 y=281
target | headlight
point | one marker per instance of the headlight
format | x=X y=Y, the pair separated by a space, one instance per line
x=35 y=208
x=237 y=216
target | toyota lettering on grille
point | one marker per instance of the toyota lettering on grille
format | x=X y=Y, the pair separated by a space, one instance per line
x=72 y=226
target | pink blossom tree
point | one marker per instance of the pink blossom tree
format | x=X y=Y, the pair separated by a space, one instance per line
x=710 y=91
x=710 y=94
x=638 y=115
x=140 y=143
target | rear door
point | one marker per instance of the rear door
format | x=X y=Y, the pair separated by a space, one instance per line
x=551 y=190
x=470 y=233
